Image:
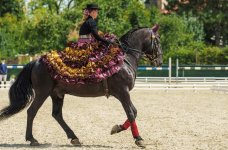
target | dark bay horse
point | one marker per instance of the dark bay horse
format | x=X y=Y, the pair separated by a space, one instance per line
x=34 y=84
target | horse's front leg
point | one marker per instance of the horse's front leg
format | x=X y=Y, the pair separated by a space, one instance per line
x=125 y=125
x=131 y=113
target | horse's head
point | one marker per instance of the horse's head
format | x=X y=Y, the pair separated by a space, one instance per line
x=152 y=46
x=144 y=41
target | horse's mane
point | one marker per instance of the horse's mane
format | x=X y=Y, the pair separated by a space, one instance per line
x=125 y=37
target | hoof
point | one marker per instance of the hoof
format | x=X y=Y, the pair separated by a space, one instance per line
x=75 y=142
x=34 y=143
x=116 y=129
x=140 y=143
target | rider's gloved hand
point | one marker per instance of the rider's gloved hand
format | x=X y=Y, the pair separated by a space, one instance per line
x=115 y=42
x=107 y=43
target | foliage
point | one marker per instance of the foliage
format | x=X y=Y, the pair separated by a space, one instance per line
x=225 y=50
x=211 y=13
x=173 y=32
x=50 y=33
x=213 y=55
x=184 y=54
x=199 y=53
x=11 y=38
x=14 y=7
x=47 y=24
x=188 y=54
x=194 y=26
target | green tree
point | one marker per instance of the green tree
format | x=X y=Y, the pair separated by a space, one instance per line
x=194 y=26
x=49 y=33
x=53 y=6
x=45 y=24
x=213 y=14
x=14 y=7
x=213 y=56
x=173 y=32
x=11 y=37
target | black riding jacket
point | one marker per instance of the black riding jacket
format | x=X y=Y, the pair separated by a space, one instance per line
x=90 y=27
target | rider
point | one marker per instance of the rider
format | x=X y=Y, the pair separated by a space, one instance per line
x=89 y=26
x=90 y=59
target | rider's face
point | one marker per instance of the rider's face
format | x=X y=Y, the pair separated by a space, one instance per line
x=94 y=14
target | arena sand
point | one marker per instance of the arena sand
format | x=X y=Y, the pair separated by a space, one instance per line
x=173 y=120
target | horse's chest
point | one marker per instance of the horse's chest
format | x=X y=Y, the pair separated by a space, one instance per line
x=129 y=76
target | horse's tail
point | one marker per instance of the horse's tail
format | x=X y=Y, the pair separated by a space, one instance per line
x=20 y=93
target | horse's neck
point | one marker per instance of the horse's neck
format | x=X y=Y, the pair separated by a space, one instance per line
x=133 y=42
x=134 y=56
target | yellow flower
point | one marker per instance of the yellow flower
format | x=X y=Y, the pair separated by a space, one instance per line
x=67 y=50
x=59 y=60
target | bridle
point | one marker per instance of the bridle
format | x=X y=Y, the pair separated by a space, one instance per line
x=154 y=42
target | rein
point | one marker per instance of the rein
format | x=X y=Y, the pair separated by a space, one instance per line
x=126 y=48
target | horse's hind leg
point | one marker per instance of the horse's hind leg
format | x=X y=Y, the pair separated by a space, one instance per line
x=57 y=114
x=32 y=111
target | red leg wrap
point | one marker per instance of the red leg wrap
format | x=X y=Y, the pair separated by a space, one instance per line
x=134 y=129
x=126 y=124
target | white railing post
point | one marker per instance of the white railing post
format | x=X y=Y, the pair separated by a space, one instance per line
x=177 y=67
x=170 y=70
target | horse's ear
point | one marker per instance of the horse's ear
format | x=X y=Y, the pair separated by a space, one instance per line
x=155 y=28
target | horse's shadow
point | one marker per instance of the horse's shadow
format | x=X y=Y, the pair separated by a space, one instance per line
x=48 y=145
x=85 y=146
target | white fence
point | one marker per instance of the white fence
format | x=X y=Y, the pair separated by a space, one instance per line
x=181 y=79
x=182 y=83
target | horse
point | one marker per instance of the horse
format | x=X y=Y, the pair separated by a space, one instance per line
x=34 y=84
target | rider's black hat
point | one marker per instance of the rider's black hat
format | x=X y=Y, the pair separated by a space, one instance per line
x=92 y=6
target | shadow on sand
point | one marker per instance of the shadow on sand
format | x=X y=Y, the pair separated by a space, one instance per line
x=48 y=145
x=84 y=146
